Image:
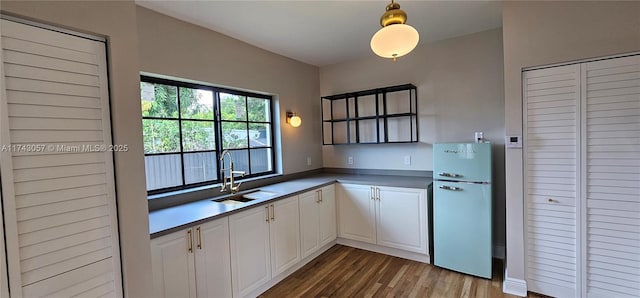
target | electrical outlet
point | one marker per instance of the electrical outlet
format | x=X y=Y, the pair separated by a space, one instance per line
x=308 y=160
x=407 y=160
x=350 y=160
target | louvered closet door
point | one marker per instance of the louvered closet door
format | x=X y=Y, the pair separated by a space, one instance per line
x=551 y=104
x=611 y=109
x=59 y=203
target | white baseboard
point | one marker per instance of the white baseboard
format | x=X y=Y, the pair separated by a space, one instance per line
x=423 y=258
x=499 y=252
x=514 y=286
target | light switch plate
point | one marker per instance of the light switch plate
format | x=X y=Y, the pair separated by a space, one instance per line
x=513 y=141
x=350 y=160
x=407 y=160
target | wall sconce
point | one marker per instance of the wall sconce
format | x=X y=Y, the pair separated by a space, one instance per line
x=293 y=119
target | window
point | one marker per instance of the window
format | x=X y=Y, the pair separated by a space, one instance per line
x=187 y=126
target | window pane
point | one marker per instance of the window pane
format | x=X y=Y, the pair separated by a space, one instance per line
x=160 y=136
x=199 y=167
x=198 y=135
x=240 y=161
x=261 y=161
x=234 y=135
x=233 y=107
x=159 y=100
x=196 y=104
x=259 y=135
x=163 y=171
x=259 y=109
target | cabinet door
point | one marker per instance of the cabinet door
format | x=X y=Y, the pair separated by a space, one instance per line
x=173 y=265
x=328 y=230
x=356 y=212
x=309 y=222
x=250 y=251
x=402 y=218
x=213 y=259
x=284 y=231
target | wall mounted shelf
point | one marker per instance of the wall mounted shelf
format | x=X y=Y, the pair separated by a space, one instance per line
x=375 y=116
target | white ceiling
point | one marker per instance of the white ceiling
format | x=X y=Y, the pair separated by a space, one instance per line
x=327 y=32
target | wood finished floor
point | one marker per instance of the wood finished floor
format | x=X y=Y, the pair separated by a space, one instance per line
x=350 y=272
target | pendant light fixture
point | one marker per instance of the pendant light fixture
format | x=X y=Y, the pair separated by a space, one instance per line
x=395 y=38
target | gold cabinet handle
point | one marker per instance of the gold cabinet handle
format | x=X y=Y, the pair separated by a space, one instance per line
x=273 y=212
x=378 y=193
x=199 y=238
x=190 y=240
x=317 y=196
x=267 y=208
x=373 y=193
x=320 y=195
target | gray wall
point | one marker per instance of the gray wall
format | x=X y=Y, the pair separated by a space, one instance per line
x=460 y=91
x=117 y=21
x=168 y=46
x=545 y=32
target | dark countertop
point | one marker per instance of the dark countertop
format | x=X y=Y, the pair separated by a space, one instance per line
x=168 y=220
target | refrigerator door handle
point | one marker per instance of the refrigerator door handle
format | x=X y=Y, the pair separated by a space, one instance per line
x=450 y=187
x=452 y=175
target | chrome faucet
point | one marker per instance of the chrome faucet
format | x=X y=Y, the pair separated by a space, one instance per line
x=233 y=188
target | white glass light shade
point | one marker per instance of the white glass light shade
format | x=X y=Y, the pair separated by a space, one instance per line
x=295 y=121
x=394 y=40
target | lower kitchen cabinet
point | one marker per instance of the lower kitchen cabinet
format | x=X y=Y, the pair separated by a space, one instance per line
x=284 y=231
x=194 y=262
x=213 y=259
x=388 y=216
x=265 y=241
x=250 y=249
x=356 y=212
x=317 y=219
x=328 y=220
x=401 y=218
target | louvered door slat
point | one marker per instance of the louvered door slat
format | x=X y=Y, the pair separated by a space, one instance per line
x=56 y=95
x=551 y=98
x=612 y=176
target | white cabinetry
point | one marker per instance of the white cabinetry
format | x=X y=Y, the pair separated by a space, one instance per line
x=265 y=241
x=284 y=231
x=328 y=220
x=194 y=262
x=582 y=136
x=317 y=219
x=401 y=218
x=213 y=260
x=173 y=265
x=388 y=216
x=357 y=212
x=246 y=252
x=250 y=249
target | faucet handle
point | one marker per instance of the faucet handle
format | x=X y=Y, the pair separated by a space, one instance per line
x=242 y=173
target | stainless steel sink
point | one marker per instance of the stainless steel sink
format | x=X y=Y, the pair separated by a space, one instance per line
x=260 y=194
x=242 y=198
x=233 y=201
